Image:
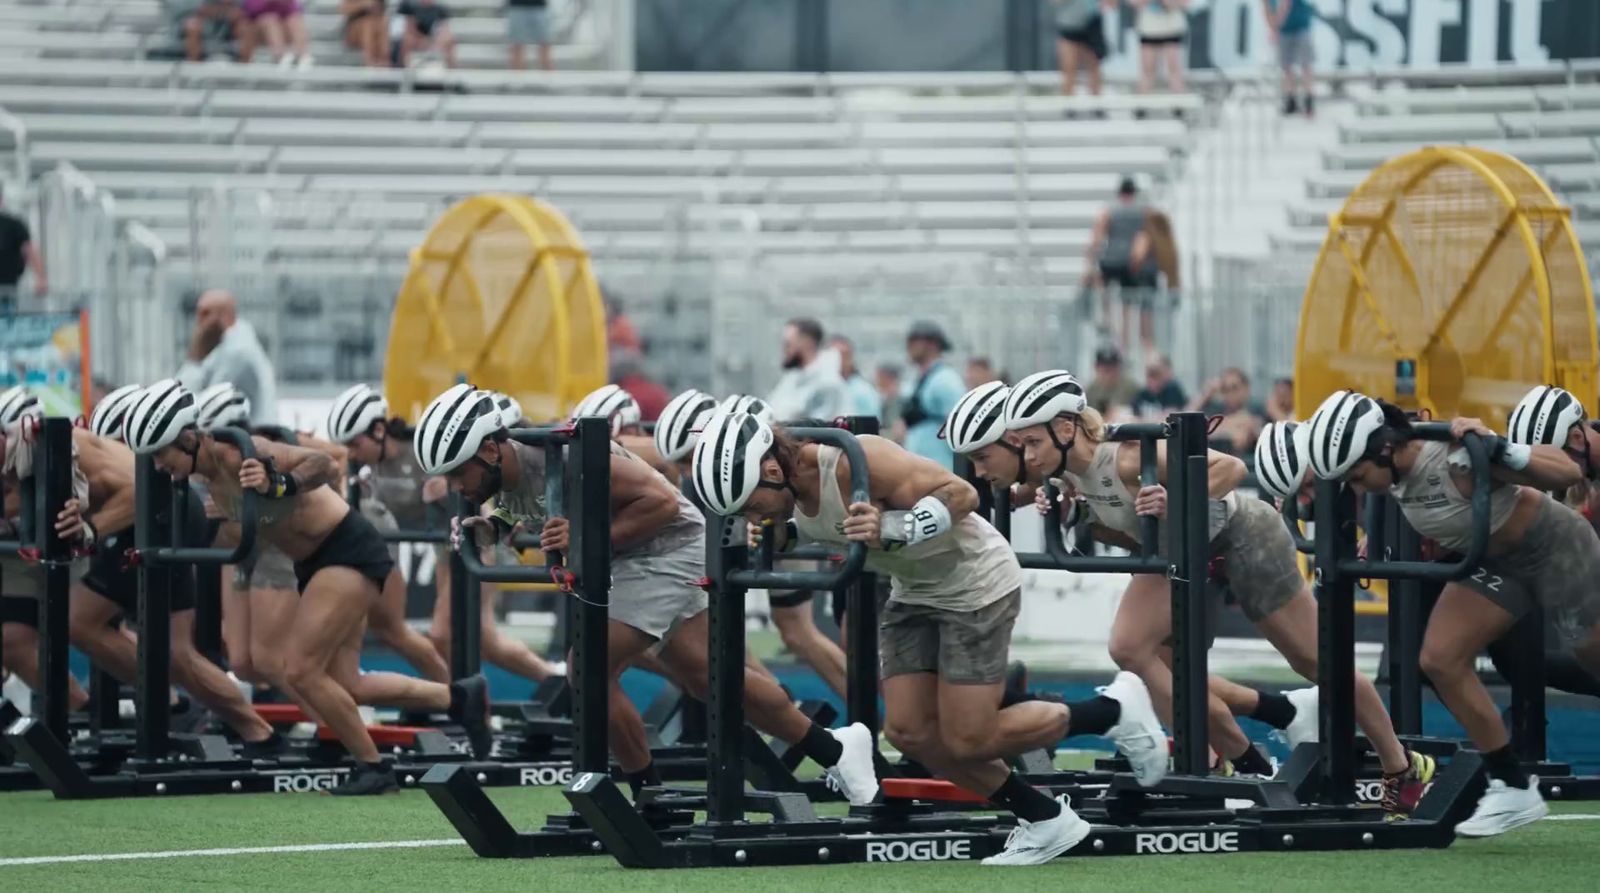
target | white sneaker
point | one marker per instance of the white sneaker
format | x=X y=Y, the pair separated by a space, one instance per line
x=1138 y=732
x=1304 y=728
x=1035 y=843
x=306 y=62
x=286 y=61
x=855 y=776
x=557 y=667
x=1503 y=808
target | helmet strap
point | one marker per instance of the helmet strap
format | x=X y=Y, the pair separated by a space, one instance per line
x=193 y=452
x=492 y=469
x=1062 y=448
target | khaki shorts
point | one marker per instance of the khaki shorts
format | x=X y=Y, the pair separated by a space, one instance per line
x=1260 y=559
x=963 y=647
x=657 y=590
x=1555 y=565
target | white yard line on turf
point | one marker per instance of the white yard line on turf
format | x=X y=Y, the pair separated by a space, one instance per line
x=234 y=851
x=1573 y=817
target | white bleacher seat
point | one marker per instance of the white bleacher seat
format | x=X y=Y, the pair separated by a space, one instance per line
x=20 y=98
x=1533 y=151
x=790 y=162
x=337 y=132
x=453 y=184
x=1415 y=128
x=1128 y=160
x=563 y=135
x=70 y=44
x=827 y=188
x=734 y=110
x=549 y=108
x=157 y=184
x=90 y=72
x=122 y=156
x=565 y=161
x=338 y=105
x=130 y=128
x=1037 y=133
x=1575 y=122
x=1450 y=100
x=997 y=186
x=1583 y=177
x=1569 y=96
x=823 y=134
x=388 y=159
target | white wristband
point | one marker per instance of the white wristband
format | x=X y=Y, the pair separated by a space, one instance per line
x=1516 y=456
x=927 y=519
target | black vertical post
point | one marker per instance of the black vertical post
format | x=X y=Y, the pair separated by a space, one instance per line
x=555 y=504
x=861 y=629
x=105 y=691
x=153 y=530
x=207 y=581
x=466 y=628
x=1527 y=687
x=1189 y=513
x=52 y=481
x=588 y=470
x=725 y=704
x=1336 y=640
x=1406 y=623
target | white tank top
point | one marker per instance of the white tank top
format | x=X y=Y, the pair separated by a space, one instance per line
x=1109 y=500
x=970 y=567
x=1432 y=503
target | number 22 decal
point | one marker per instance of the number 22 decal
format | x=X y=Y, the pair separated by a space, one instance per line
x=1491 y=581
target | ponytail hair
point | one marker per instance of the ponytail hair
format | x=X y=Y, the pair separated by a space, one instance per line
x=397 y=427
x=1091 y=423
x=785 y=449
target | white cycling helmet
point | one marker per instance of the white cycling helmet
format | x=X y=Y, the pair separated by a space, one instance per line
x=978 y=419
x=680 y=423
x=613 y=403
x=1545 y=416
x=158 y=415
x=727 y=461
x=221 y=405
x=1341 y=432
x=453 y=427
x=354 y=411
x=510 y=409
x=16 y=403
x=1282 y=458
x=751 y=405
x=1042 y=396
x=109 y=414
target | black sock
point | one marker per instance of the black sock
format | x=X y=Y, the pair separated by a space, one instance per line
x=648 y=777
x=380 y=766
x=821 y=747
x=1024 y=801
x=1094 y=716
x=181 y=705
x=458 y=700
x=1504 y=765
x=1274 y=709
x=1251 y=762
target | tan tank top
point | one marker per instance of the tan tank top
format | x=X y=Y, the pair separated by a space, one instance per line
x=1436 y=507
x=968 y=568
x=1112 y=504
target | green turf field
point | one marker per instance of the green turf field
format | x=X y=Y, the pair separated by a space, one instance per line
x=1549 y=856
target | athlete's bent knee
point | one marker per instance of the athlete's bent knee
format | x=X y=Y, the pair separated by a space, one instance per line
x=909 y=738
x=1131 y=654
x=1441 y=663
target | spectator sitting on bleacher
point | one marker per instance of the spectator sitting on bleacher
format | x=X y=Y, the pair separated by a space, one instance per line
x=282 y=27
x=199 y=22
x=528 y=22
x=1110 y=392
x=980 y=371
x=366 y=28
x=627 y=371
x=887 y=381
x=1161 y=393
x=1280 y=403
x=427 y=28
x=1228 y=395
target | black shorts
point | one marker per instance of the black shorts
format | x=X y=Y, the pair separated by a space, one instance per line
x=1122 y=275
x=1176 y=40
x=110 y=577
x=1091 y=35
x=16 y=609
x=352 y=543
x=790 y=599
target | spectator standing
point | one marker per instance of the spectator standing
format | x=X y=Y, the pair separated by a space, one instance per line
x=621 y=334
x=224 y=347
x=1289 y=23
x=1280 y=403
x=1162 y=26
x=811 y=386
x=627 y=371
x=427 y=28
x=528 y=22
x=1228 y=395
x=366 y=28
x=1111 y=256
x=1161 y=393
x=282 y=26
x=1081 y=41
x=864 y=399
x=980 y=371
x=198 y=22
x=18 y=253
x=887 y=380
x=928 y=400
x=1110 y=392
